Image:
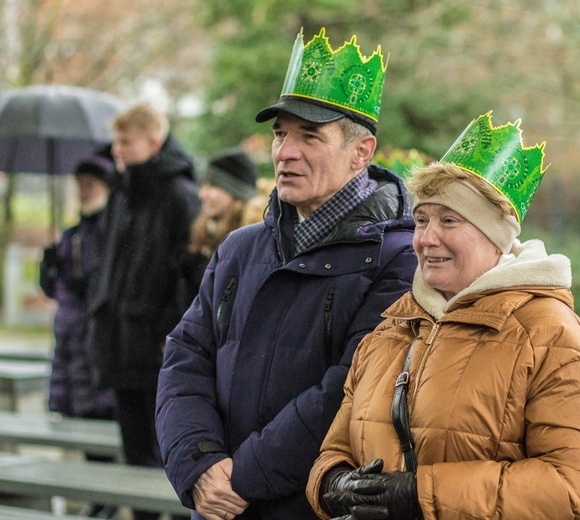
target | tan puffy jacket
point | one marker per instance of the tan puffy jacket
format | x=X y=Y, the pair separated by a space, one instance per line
x=494 y=405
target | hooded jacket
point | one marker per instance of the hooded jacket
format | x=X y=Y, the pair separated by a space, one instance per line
x=255 y=369
x=494 y=395
x=135 y=304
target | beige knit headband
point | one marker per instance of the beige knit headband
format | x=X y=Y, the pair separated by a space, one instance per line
x=478 y=210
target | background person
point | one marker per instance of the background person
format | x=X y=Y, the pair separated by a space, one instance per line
x=229 y=183
x=494 y=392
x=67 y=274
x=253 y=374
x=136 y=303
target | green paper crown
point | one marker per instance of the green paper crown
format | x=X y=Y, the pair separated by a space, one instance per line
x=343 y=78
x=498 y=155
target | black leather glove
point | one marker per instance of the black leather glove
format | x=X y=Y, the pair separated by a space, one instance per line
x=393 y=496
x=366 y=512
x=344 y=488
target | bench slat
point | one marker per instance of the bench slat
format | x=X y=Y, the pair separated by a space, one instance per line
x=21 y=513
x=102 y=483
x=94 y=436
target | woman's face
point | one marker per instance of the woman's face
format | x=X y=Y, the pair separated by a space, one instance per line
x=91 y=188
x=452 y=252
x=214 y=201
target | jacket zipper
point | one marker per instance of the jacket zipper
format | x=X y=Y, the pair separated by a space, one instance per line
x=428 y=343
x=225 y=297
x=328 y=325
x=432 y=334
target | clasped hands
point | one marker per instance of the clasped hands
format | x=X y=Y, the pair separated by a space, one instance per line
x=368 y=494
x=213 y=494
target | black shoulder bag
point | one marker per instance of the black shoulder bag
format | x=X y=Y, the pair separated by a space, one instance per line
x=400 y=414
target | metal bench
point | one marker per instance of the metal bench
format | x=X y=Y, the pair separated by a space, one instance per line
x=99 y=483
x=92 y=436
x=21 y=351
x=22 y=513
x=18 y=378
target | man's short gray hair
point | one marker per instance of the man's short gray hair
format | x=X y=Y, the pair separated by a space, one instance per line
x=352 y=130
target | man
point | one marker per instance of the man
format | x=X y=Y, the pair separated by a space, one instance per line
x=136 y=304
x=253 y=374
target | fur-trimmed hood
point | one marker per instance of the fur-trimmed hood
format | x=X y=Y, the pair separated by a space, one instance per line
x=527 y=264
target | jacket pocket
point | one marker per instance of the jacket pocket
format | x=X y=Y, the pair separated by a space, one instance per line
x=225 y=306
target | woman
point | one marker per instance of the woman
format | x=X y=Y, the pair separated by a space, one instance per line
x=229 y=183
x=67 y=274
x=494 y=375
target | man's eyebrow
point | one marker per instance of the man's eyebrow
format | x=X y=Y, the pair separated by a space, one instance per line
x=310 y=127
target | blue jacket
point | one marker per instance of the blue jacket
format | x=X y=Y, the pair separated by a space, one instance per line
x=256 y=367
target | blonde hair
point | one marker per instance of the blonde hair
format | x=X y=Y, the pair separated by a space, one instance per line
x=145 y=118
x=207 y=233
x=431 y=180
x=257 y=207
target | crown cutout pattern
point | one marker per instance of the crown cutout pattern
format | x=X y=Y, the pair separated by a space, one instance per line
x=343 y=78
x=498 y=155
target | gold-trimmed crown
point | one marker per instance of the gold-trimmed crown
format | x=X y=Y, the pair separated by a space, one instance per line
x=498 y=155
x=342 y=78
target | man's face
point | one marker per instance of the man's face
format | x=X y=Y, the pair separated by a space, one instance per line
x=311 y=162
x=133 y=146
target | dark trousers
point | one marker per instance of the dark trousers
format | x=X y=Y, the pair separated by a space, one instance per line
x=137 y=422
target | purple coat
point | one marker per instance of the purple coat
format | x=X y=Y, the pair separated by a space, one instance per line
x=68 y=278
x=255 y=370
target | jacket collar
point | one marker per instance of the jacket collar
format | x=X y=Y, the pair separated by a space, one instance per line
x=384 y=209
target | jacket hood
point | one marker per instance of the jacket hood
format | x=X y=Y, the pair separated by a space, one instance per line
x=527 y=265
x=171 y=161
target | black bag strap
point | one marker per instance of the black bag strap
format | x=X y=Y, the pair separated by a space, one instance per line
x=400 y=414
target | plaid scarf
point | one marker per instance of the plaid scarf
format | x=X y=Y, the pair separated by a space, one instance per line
x=320 y=223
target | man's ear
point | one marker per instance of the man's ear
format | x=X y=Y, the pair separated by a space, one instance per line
x=365 y=149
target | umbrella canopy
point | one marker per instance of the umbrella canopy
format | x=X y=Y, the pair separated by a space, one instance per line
x=50 y=128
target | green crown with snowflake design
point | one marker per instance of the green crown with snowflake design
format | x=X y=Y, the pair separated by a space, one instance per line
x=343 y=79
x=498 y=155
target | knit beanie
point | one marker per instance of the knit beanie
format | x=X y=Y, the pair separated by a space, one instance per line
x=98 y=165
x=233 y=171
x=474 y=207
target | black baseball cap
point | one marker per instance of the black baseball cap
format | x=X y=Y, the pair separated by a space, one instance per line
x=312 y=111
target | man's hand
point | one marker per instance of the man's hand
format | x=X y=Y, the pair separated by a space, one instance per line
x=213 y=495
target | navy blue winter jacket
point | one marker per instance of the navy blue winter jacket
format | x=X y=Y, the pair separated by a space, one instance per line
x=256 y=367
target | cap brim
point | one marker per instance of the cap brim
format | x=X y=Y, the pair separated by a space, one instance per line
x=302 y=109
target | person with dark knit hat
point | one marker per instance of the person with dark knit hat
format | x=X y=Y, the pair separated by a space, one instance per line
x=229 y=183
x=68 y=273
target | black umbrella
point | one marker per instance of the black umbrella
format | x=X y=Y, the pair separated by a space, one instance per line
x=50 y=128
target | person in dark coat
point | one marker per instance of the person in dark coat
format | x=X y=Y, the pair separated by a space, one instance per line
x=253 y=374
x=228 y=184
x=67 y=274
x=136 y=303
